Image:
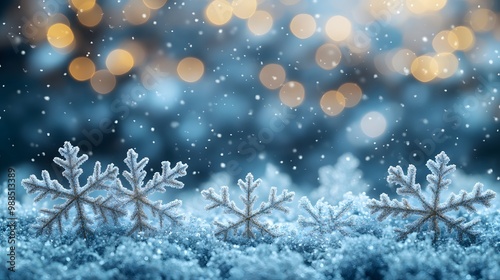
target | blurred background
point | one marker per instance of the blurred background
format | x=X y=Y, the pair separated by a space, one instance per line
x=236 y=86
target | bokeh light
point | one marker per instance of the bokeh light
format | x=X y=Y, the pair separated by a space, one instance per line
x=402 y=60
x=91 y=17
x=425 y=68
x=81 y=68
x=445 y=41
x=154 y=4
x=260 y=22
x=338 y=28
x=119 y=62
x=272 y=76
x=190 y=69
x=328 y=56
x=425 y=6
x=482 y=20
x=373 y=124
x=83 y=5
x=103 y=81
x=303 y=26
x=244 y=8
x=352 y=94
x=219 y=12
x=136 y=12
x=60 y=35
x=292 y=94
x=447 y=64
x=332 y=102
x=465 y=38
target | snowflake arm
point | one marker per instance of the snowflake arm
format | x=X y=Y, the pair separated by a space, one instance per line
x=246 y=216
x=432 y=211
x=323 y=217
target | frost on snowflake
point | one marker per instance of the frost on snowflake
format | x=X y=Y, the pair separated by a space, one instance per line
x=138 y=196
x=323 y=217
x=339 y=179
x=76 y=196
x=432 y=211
x=247 y=216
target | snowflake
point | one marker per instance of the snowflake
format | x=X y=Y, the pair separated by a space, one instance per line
x=248 y=216
x=138 y=196
x=432 y=211
x=323 y=217
x=77 y=197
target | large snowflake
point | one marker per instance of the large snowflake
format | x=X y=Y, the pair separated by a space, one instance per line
x=432 y=210
x=324 y=218
x=138 y=195
x=247 y=217
x=76 y=196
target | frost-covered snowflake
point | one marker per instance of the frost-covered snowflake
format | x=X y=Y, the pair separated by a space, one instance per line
x=247 y=217
x=76 y=196
x=432 y=210
x=138 y=196
x=323 y=217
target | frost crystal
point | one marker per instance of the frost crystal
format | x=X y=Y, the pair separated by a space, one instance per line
x=138 y=196
x=323 y=217
x=76 y=197
x=247 y=217
x=431 y=211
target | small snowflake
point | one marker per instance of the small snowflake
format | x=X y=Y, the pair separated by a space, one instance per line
x=247 y=216
x=323 y=217
x=432 y=211
x=76 y=196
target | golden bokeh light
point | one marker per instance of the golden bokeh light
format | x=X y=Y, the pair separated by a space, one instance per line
x=465 y=38
x=447 y=64
x=352 y=94
x=482 y=20
x=445 y=41
x=83 y=5
x=272 y=76
x=119 y=62
x=219 y=12
x=60 y=35
x=292 y=94
x=332 y=102
x=425 y=6
x=303 y=26
x=190 y=69
x=136 y=12
x=425 y=68
x=260 y=22
x=81 y=68
x=154 y=4
x=92 y=17
x=244 y=8
x=402 y=60
x=328 y=56
x=338 y=28
x=103 y=81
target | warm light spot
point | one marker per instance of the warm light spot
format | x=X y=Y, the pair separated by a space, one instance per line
x=219 y=12
x=332 y=103
x=154 y=4
x=328 y=56
x=244 y=8
x=447 y=64
x=136 y=12
x=402 y=60
x=260 y=23
x=338 y=28
x=60 y=35
x=379 y=9
x=119 y=62
x=303 y=26
x=352 y=94
x=373 y=124
x=83 y=5
x=81 y=68
x=465 y=38
x=442 y=40
x=292 y=94
x=425 y=6
x=190 y=69
x=424 y=68
x=272 y=76
x=92 y=17
x=482 y=20
x=103 y=81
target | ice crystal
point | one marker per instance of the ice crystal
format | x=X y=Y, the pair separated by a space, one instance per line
x=432 y=211
x=323 y=217
x=138 y=195
x=247 y=216
x=76 y=196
